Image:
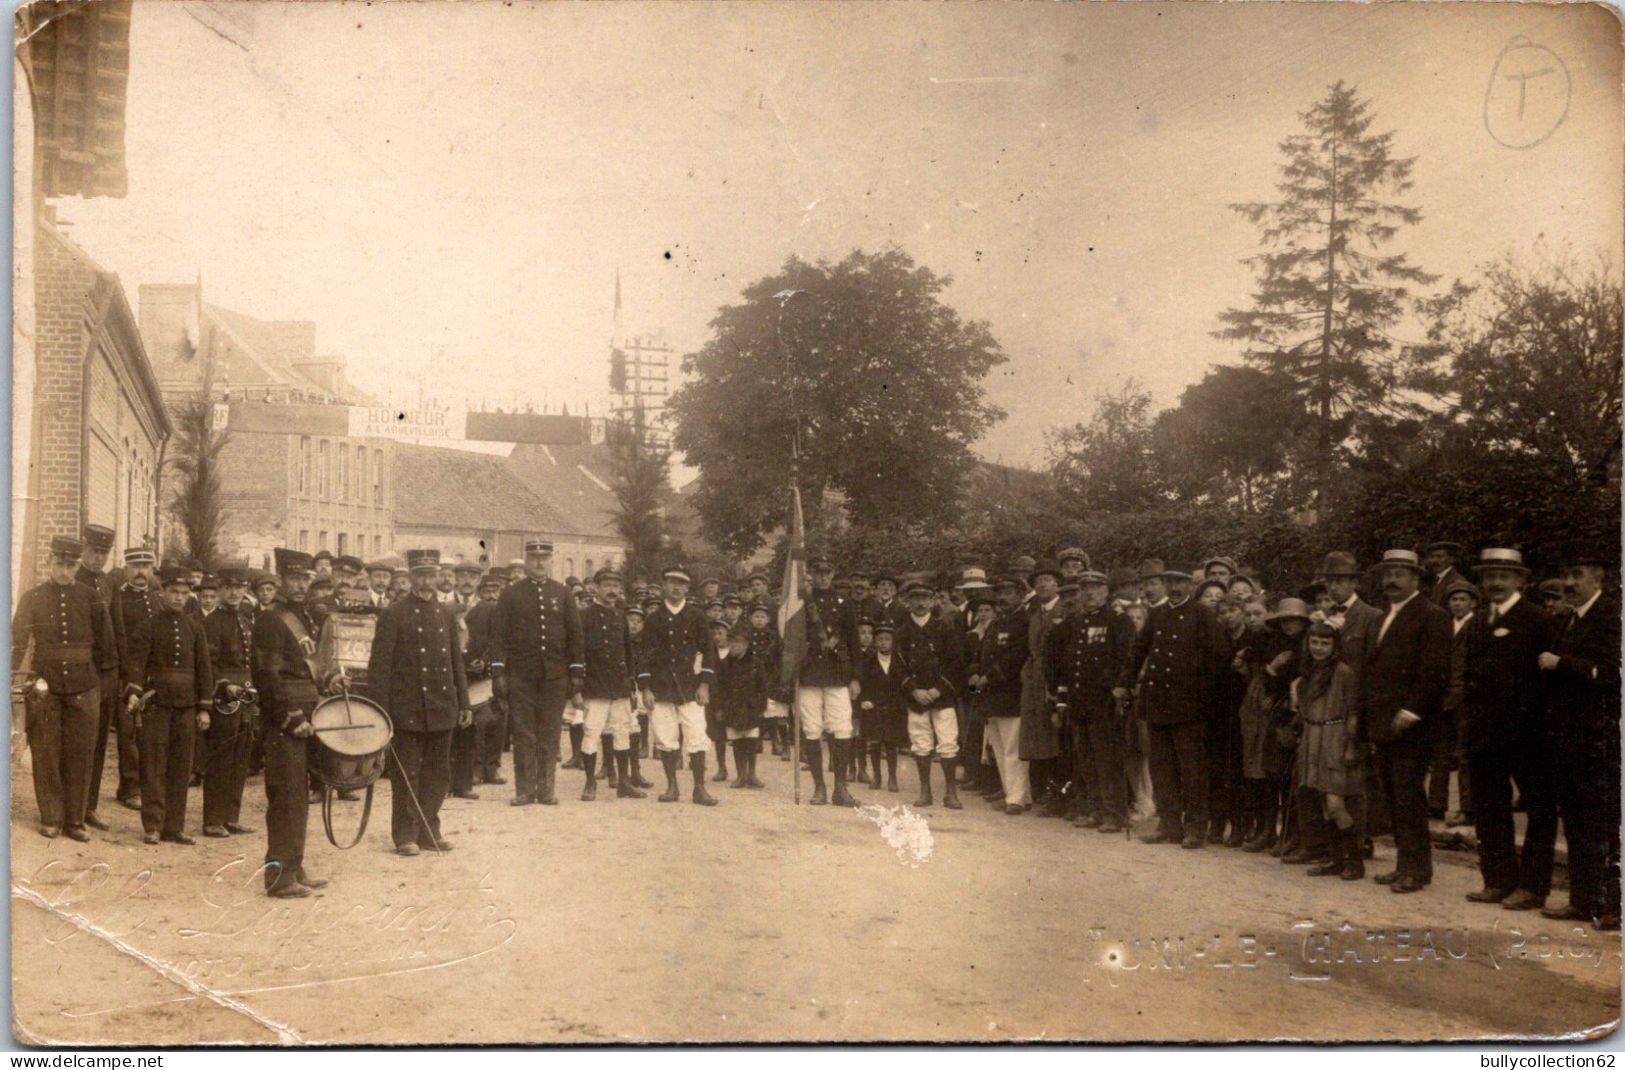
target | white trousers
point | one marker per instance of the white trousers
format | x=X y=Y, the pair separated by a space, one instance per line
x=776 y=711
x=1004 y=740
x=934 y=732
x=744 y=733
x=611 y=715
x=679 y=728
x=824 y=709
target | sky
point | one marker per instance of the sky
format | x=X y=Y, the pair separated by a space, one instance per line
x=449 y=189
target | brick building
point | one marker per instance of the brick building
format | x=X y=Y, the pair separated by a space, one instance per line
x=315 y=491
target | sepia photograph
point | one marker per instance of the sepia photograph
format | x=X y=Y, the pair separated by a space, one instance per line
x=939 y=523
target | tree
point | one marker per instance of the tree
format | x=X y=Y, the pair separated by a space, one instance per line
x=1530 y=363
x=1106 y=462
x=1325 y=293
x=197 y=502
x=867 y=368
x=641 y=489
x=1229 y=437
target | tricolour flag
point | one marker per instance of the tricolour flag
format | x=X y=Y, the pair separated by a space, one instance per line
x=792 y=612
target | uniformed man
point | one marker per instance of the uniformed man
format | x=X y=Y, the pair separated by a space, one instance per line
x=169 y=655
x=1040 y=736
x=466 y=582
x=416 y=673
x=98 y=542
x=400 y=584
x=1087 y=653
x=934 y=675
x=135 y=601
x=285 y=675
x=995 y=674
x=823 y=688
x=1181 y=652
x=265 y=589
x=606 y=693
x=676 y=662
x=230 y=737
x=537 y=661
x=476 y=753
x=65 y=626
x=207 y=593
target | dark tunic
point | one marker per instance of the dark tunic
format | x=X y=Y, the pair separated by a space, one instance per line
x=608 y=644
x=1000 y=654
x=69 y=629
x=281 y=671
x=169 y=653
x=829 y=618
x=933 y=659
x=129 y=608
x=230 y=634
x=1181 y=651
x=675 y=653
x=1085 y=659
x=740 y=693
x=536 y=632
x=886 y=721
x=416 y=669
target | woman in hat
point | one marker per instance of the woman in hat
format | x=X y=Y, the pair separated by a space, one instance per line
x=1330 y=758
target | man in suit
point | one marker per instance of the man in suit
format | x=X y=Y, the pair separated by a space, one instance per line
x=1462 y=602
x=98 y=542
x=1401 y=689
x=997 y=661
x=676 y=663
x=1581 y=670
x=377 y=594
x=1439 y=558
x=1506 y=738
x=1040 y=736
x=537 y=661
x=416 y=673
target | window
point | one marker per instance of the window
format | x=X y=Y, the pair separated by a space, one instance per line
x=588 y=566
x=344 y=473
x=321 y=541
x=344 y=544
x=304 y=540
x=377 y=481
x=378 y=546
x=324 y=477
x=360 y=544
x=360 y=478
x=304 y=464
x=570 y=566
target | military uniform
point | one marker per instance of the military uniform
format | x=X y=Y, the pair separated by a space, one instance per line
x=231 y=735
x=476 y=751
x=1181 y=654
x=607 y=690
x=107 y=668
x=1085 y=659
x=931 y=652
x=537 y=659
x=169 y=654
x=284 y=675
x=65 y=628
x=416 y=673
x=1000 y=656
x=131 y=605
x=675 y=657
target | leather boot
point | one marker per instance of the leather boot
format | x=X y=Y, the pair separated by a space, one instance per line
x=636 y=773
x=589 y=791
x=1337 y=850
x=722 y=762
x=843 y=764
x=924 y=766
x=752 y=780
x=696 y=762
x=612 y=770
x=548 y=778
x=740 y=761
x=874 y=760
x=813 y=751
x=668 y=762
x=1239 y=826
x=576 y=732
x=950 y=791
x=624 y=789
x=1353 y=850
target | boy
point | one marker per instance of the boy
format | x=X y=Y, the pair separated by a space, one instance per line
x=715 y=729
x=884 y=702
x=739 y=699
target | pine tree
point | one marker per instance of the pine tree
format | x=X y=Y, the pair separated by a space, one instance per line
x=197 y=505
x=1326 y=292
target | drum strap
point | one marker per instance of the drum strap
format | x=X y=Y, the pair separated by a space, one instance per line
x=301 y=636
x=327 y=818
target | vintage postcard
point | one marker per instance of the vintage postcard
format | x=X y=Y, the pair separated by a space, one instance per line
x=585 y=524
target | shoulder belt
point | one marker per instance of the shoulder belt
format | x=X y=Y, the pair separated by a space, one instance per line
x=301 y=636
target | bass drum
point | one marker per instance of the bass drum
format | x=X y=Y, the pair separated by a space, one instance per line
x=352 y=734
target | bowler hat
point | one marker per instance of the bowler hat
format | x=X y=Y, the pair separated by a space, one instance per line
x=1151 y=568
x=1453 y=548
x=1046 y=568
x=1591 y=554
x=1338 y=563
x=322 y=555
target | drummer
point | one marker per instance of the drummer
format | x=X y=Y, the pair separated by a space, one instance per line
x=284 y=676
x=416 y=674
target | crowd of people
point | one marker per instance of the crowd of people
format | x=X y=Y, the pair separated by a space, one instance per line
x=1196 y=704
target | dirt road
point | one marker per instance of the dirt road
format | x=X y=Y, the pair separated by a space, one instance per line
x=757 y=920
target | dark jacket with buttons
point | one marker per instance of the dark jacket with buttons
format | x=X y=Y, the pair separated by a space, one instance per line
x=128 y=609
x=829 y=618
x=416 y=670
x=1087 y=652
x=106 y=590
x=536 y=632
x=281 y=667
x=1582 y=693
x=1000 y=653
x=609 y=652
x=477 y=627
x=169 y=654
x=230 y=634
x=68 y=628
x=932 y=652
x=1505 y=689
x=1182 y=652
x=675 y=654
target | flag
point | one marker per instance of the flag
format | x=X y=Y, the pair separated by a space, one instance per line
x=792 y=612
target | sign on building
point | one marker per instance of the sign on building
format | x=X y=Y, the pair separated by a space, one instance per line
x=409 y=424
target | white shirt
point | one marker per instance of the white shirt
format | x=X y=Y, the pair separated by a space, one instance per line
x=1497 y=609
x=885 y=661
x=1393 y=611
x=1589 y=602
x=1459 y=623
x=921 y=621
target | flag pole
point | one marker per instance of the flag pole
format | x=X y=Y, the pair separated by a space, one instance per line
x=797 y=533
